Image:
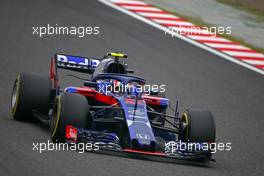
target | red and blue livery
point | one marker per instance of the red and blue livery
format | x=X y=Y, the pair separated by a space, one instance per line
x=112 y=108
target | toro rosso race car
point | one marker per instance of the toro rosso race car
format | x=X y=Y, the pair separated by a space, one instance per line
x=120 y=120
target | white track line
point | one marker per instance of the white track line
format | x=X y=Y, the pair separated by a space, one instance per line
x=147 y=14
x=141 y=8
x=244 y=54
x=172 y=22
x=231 y=46
x=129 y=2
x=158 y=26
x=217 y=39
x=254 y=62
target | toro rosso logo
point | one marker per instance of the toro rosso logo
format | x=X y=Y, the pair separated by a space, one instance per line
x=143 y=136
x=76 y=62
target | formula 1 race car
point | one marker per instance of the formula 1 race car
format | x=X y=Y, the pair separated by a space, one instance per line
x=111 y=109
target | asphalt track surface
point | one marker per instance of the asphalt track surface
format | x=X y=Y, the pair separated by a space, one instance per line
x=193 y=76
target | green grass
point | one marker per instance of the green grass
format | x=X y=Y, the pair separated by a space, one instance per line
x=250 y=8
x=201 y=23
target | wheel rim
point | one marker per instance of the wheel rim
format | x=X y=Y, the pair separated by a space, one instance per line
x=55 y=118
x=185 y=123
x=15 y=95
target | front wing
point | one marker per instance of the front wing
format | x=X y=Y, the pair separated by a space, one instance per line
x=109 y=144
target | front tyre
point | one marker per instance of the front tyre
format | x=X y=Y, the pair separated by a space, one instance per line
x=197 y=125
x=69 y=109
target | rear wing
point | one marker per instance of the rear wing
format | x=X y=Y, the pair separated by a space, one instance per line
x=73 y=63
x=76 y=63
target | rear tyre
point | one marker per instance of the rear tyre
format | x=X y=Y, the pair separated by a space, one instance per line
x=69 y=109
x=30 y=92
x=197 y=126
